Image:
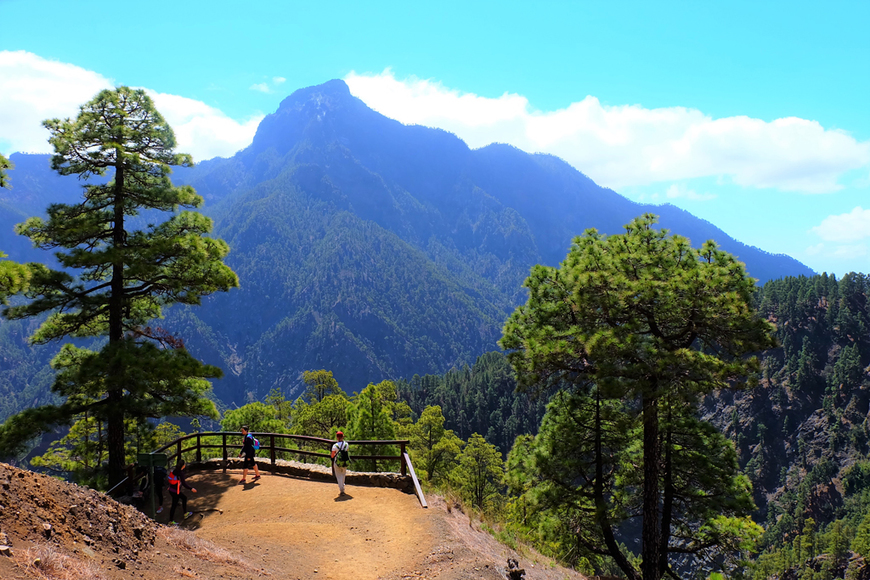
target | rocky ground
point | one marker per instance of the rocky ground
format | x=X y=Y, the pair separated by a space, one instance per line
x=282 y=527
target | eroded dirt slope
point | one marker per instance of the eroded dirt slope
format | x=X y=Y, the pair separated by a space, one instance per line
x=280 y=527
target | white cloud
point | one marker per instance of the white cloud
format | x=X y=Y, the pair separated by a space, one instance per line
x=835 y=253
x=265 y=88
x=816 y=250
x=678 y=190
x=629 y=145
x=202 y=130
x=33 y=89
x=846 y=227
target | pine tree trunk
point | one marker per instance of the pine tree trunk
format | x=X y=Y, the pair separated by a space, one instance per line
x=650 y=534
x=115 y=423
x=601 y=505
x=115 y=436
x=667 y=495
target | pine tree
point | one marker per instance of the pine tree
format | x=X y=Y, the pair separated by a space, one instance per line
x=14 y=277
x=259 y=417
x=372 y=420
x=433 y=447
x=127 y=275
x=4 y=165
x=319 y=384
x=645 y=318
x=480 y=473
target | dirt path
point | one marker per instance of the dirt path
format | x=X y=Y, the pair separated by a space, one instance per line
x=281 y=527
x=297 y=528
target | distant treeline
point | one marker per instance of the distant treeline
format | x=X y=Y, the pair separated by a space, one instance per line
x=478 y=399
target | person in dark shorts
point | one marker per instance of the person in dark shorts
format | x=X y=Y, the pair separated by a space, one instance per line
x=177 y=480
x=158 y=483
x=248 y=451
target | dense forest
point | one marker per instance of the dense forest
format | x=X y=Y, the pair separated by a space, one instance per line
x=653 y=413
x=802 y=434
x=478 y=399
x=374 y=249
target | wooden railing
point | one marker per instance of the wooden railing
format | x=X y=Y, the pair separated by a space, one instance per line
x=228 y=441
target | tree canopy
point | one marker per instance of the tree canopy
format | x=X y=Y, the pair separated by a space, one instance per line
x=126 y=275
x=640 y=325
x=14 y=277
x=4 y=165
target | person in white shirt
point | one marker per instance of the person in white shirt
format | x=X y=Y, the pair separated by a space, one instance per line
x=340 y=459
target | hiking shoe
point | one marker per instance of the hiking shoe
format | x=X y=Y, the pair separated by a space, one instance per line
x=173 y=523
x=160 y=509
x=256 y=477
x=241 y=481
x=187 y=515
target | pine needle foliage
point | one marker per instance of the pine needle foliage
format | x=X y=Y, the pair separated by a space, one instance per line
x=639 y=326
x=126 y=276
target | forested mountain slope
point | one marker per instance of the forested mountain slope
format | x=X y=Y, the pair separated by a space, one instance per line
x=802 y=435
x=371 y=248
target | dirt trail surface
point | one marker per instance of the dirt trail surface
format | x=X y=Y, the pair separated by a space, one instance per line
x=278 y=527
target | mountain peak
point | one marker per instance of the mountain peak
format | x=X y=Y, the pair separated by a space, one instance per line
x=336 y=89
x=304 y=110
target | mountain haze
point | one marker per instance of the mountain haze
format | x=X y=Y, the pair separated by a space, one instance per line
x=371 y=248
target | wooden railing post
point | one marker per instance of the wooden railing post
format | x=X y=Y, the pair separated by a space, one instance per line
x=178 y=452
x=404 y=467
x=198 y=449
x=272 y=450
x=224 y=437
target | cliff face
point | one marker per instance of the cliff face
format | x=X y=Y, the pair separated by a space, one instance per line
x=802 y=435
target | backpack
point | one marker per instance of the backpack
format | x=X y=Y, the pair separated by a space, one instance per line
x=255 y=442
x=174 y=482
x=342 y=457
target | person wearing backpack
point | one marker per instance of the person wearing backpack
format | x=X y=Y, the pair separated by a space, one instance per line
x=158 y=483
x=340 y=459
x=249 y=448
x=177 y=480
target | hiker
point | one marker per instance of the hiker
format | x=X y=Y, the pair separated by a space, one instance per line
x=176 y=482
x=340 y=459
x=159 y=479
x=248 y=451
x=146 y=486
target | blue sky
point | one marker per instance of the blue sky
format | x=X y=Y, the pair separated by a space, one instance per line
x=754 y=117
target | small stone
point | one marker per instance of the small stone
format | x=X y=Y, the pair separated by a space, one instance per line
x=6 y=551
x=46 y=530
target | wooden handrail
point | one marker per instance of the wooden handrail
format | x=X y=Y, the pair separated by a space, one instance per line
x=403 y=458
x=407 y=459
x=273 y=448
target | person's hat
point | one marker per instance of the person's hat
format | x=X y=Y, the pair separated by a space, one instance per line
x=337 y=433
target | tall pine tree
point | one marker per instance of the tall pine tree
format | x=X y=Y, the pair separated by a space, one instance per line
x=652 y=322
x=126 y=275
